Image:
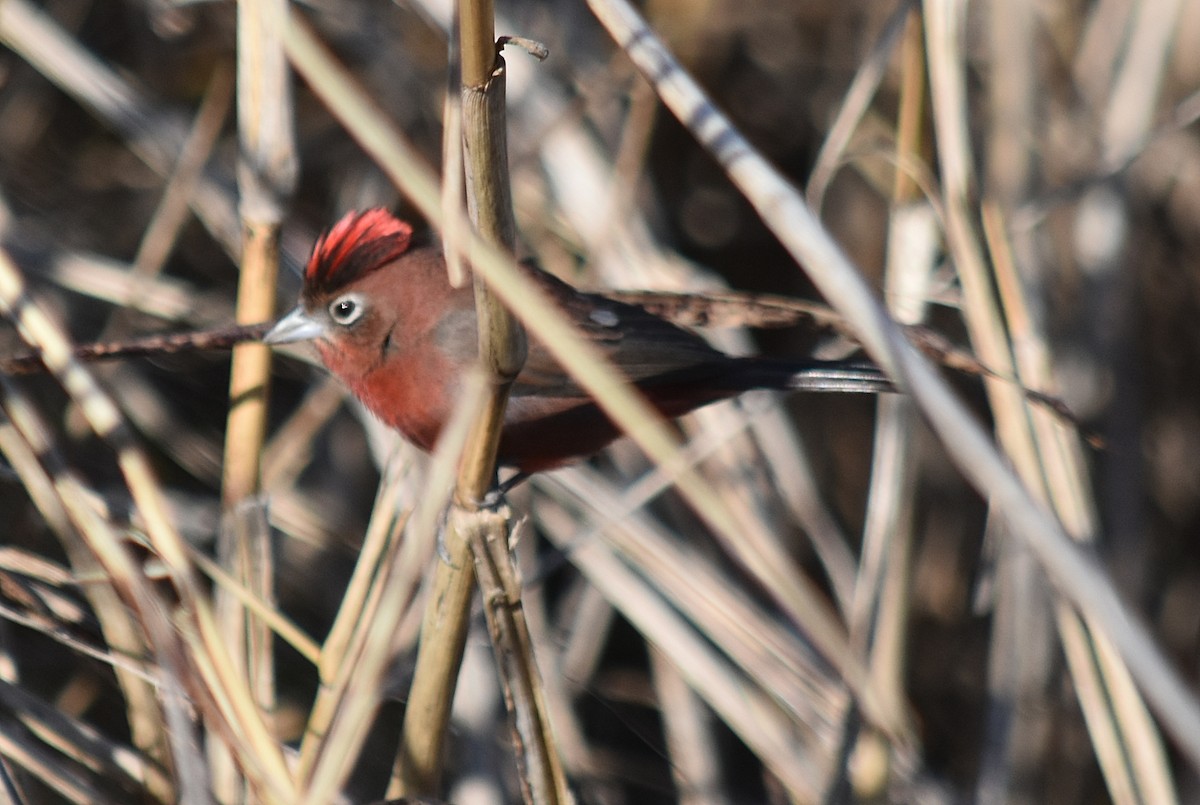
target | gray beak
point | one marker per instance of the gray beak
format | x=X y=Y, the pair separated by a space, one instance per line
x=295 y=326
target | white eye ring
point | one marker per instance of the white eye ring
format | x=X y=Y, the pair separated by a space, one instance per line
x=347 y=309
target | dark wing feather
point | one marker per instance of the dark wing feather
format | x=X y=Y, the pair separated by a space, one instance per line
x=643 y=346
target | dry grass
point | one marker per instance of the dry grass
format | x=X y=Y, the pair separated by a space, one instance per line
x=817 y=599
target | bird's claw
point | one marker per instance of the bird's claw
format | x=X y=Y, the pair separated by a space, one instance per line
x=493 y=500
x=496 y=497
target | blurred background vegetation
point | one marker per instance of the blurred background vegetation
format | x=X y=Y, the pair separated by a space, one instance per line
x=1082 y=117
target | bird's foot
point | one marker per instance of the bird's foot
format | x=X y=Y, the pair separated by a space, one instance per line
x=496 y=496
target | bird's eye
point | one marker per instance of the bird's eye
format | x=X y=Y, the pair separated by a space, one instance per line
x=345 y=310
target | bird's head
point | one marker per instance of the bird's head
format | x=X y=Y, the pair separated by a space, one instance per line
x=340 y=301
x=385 y=319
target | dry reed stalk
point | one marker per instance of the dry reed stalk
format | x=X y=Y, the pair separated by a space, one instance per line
x=880 y=612
x=854 y=106
x=347 y=638
x=361 y=674
x=267 y=175
x=76 y=750
x=266 y=611
x=767 y=656
x=290 y=447
x=502 y=352
x=749 y=710
x=1127 y=743
x=97 y=536
x=482 y=533
x=205 y=652
x=119 y=627
x=776 y=201
x=706 y=595
x=570 y=742
x=690 y=740
x=540 y=771
x=1024 y=638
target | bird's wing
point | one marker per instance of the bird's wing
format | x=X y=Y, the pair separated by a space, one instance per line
x=643 y=346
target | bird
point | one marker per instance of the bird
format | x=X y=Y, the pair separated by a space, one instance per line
x=386 y=321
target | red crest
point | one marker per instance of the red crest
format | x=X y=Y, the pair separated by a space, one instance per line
x=358 y=244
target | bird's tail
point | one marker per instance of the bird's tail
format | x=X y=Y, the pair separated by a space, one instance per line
x=847 y=377
x=854 y=377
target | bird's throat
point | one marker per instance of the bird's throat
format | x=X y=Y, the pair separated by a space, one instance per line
x=410 y=393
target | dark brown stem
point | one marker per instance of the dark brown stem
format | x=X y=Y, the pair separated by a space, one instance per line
x=217 y=339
